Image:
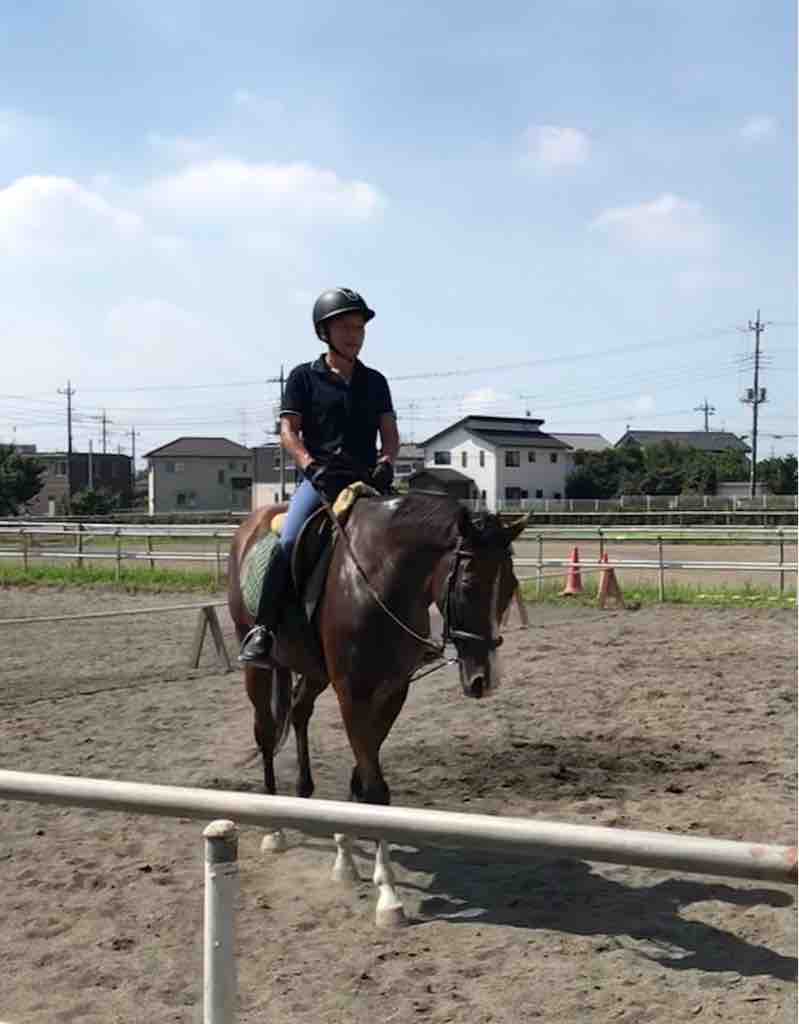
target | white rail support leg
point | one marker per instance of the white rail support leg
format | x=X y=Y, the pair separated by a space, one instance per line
x=389 y=913
x=344 y=869
x=274 y=842
x=220 y=997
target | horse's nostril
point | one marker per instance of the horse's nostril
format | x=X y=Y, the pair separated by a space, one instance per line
x=476 y=686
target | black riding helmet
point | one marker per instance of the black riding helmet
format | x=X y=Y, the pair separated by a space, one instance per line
x=334 y=302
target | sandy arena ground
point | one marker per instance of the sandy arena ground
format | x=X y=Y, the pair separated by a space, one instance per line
x=662 y=718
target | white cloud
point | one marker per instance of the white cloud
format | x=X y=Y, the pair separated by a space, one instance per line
x=667 y=222
x=481 y=398
x=50 y=214
x=759 y=128
x=552 y=147
x=227 y=188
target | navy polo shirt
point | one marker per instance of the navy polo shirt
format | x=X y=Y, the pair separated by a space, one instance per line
x=336 y=415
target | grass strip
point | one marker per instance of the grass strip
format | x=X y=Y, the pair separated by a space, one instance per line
x=639 y=594
x=137 y=579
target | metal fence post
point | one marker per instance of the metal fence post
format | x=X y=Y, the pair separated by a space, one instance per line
x=782 y=560
x=79 y=547
x=601 y=543
x=150 y=551
x=119 y=555
x=221 y=890
x=539 y=583
x=217 y=563
x=661 y=582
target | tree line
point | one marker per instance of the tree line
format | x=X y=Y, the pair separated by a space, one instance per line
x=669 y=468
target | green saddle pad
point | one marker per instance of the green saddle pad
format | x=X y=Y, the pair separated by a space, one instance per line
x=253 y=569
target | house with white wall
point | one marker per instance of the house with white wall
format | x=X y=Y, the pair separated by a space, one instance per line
x=509 y=459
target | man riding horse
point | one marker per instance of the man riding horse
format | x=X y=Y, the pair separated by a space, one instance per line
x=333 y=409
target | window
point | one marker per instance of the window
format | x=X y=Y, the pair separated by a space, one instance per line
x=539 y=493
x=482 y=460
x=442 y=458
x=62 y=469
x=220 y=476
x=531 y=456
x=557 y=495
x=192 y=499
x=464 y=458
x=231 y=465
x=525 y=495
x=512 y=494
x=244 y=467
x=277 y=460
x=181 y=499
x=402 y=468
x=512 y=459
x=482 y=493
x=553 y=456
x=170 y=467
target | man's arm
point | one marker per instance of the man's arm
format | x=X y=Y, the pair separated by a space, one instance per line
x=389 y=437
x=290 y=425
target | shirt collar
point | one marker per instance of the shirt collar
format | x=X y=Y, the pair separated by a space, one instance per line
x=320 y=366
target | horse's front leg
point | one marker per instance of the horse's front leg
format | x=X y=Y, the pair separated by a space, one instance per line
x=259 y=683
x=368 y=723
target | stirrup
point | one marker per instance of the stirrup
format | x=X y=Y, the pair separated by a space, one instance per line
x=260 y=639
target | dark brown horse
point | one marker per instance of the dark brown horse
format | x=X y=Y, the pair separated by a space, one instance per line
x=396 y=557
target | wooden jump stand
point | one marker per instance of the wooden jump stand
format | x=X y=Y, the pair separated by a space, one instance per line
x=518 y=600
x=208 y=619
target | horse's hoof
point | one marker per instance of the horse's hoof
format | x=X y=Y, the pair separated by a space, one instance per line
x=390 y=915
x=274 y=842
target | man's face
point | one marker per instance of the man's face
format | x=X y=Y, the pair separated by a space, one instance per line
x=346 y=333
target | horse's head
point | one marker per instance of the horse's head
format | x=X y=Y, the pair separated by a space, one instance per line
x=477 y=592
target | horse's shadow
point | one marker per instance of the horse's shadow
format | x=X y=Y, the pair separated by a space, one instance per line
x=569 y=896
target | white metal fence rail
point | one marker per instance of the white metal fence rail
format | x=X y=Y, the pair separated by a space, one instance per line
x=517 y=837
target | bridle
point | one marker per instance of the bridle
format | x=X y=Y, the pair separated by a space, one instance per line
x=447 y=603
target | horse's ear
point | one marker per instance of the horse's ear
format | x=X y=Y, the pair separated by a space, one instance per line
x=512 y=532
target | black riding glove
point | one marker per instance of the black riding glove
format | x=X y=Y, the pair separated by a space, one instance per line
x=383 y=476
x=317 y=474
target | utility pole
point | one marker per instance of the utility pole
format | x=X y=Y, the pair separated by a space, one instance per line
x=134 y=433
x=69 y=391
x=754 y=396
x=105 y=421
x=708 y=410
x=281 y=380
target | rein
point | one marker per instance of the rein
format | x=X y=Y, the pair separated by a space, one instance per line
x=448 y=633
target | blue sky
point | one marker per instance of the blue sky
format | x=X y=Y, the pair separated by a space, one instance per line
x=570 y=208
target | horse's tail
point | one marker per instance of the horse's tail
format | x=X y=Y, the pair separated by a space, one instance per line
x=281 y=705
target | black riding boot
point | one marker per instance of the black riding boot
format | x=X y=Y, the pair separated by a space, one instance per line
x=257 y=644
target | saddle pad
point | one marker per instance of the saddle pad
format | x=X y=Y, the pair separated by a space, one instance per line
x=253 y=570
x=341 y=508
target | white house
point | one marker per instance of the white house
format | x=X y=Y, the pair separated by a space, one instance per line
x=509 y=459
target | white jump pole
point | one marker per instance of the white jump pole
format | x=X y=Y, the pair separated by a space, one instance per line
x=526 y=837
x=221 y=890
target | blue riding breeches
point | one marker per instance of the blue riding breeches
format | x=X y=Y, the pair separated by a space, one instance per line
x=305 y=500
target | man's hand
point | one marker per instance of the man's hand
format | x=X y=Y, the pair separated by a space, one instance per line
x=383 y=476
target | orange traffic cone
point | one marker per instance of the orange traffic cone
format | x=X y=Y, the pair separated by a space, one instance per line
x=609 y=589
x=574 y=584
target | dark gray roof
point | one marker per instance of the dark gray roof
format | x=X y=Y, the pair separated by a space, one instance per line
x=200 y=447
x=704 y=440
x=585 y=442
x=443 y=473
x=480 y=423
x=519 y=438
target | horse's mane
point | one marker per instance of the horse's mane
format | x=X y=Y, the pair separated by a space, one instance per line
x=435 y=518
x=441 y=518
